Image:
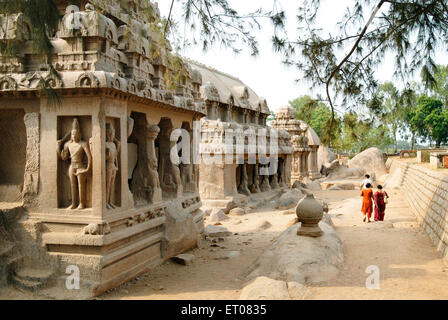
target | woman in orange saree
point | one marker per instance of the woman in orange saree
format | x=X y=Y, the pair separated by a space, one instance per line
x=367 y=202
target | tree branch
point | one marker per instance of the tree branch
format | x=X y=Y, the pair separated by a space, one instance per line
x=363 y=32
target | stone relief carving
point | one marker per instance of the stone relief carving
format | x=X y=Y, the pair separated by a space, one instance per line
x=8 y=83
x=153 y=181
x=87 y=80
x=74 y=150
x=113 y=147
x=96 y=229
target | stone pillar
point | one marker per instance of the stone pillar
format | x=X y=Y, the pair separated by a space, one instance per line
x=98 y=151
x=255 y=187
x=274 y=183
x=314 y=171
x=243 y=185
x=31 y=178
x=304 y=165
x=419 y=156
x=265 y=186
x=151 y=135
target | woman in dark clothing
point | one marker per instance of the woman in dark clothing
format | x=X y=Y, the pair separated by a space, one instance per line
x=380 y=197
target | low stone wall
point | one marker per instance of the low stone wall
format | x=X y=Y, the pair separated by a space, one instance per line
x=426 y=192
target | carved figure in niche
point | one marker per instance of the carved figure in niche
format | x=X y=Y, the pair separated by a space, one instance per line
x=255 y=187
x=177 y=179
x=112 y=150
x=154 y=181
x=243 y=188
x=75 y=150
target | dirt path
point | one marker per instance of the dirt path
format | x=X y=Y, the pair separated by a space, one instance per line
x=208 y=278
x=410 y=268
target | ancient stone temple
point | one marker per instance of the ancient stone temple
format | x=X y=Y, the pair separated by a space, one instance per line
x=233 y=133
x=86 y=178
x=304 y=160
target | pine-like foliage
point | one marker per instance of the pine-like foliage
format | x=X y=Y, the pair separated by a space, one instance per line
x=344 y=61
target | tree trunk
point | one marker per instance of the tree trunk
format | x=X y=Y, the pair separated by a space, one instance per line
x=395 y=141
x=438 y=143
x=412 y=140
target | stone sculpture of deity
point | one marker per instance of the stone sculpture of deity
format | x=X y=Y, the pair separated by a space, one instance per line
x=154 y=181
x=112 y=151
x=75 y=150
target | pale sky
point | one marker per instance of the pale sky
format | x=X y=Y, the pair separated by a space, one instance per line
x=265 y=74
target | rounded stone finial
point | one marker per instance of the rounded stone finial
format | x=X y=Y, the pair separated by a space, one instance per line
x=309 y=212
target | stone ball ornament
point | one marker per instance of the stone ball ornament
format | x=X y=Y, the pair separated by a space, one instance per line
x=309 y=212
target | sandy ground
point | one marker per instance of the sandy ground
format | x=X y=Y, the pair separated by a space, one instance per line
x=410 y=268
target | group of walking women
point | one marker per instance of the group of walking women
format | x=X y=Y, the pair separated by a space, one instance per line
x=380 y=198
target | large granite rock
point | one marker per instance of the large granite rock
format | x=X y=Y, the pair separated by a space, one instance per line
x=264 y=288
x=288 y=200
x=337 y=171
x=181 y=232
x=305 y=260
x=324 y=156
x=371 y=161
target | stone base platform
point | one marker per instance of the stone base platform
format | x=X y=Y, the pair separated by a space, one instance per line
x=103 y=254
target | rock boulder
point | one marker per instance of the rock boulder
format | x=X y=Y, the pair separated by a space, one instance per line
x=371 y=160
x=305 y=260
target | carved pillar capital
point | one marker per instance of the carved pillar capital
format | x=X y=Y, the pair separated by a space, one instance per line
x=152 y=131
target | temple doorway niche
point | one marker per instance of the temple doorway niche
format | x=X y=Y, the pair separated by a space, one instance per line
x=137 y=161
x=170 y=179
x=13 y=143
x=281 y=173
x=65 y=126
x=113 y=162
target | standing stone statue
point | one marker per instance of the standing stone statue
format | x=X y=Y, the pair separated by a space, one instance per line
x=75 y=149
x=154 y=181
x=112 y=151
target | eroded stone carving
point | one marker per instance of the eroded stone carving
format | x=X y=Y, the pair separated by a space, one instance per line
x=255 y=187
x=96 y=229
x=153 y=180
x=243 y=187
x=274 y=182
x=265 y=186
